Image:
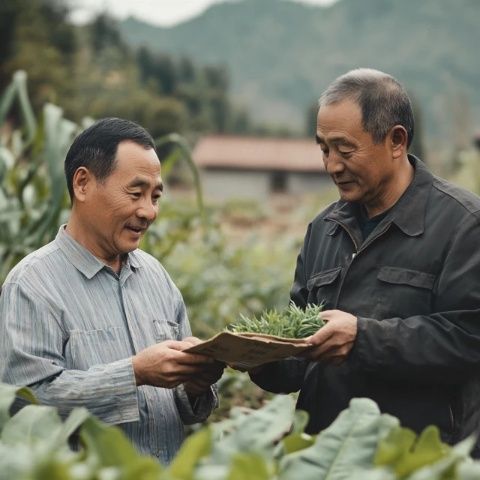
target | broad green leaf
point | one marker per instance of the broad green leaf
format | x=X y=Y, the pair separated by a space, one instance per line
x=373 y=474
x=52 y=470
x=7 y=397
x=255 y=432
x=194 y=448
x=15 y=461
x=211 y=472
x=18 y=89
x=181 y=146
x=6 y=161
x=300 y=421
x=142 y=468
x=248 y=466
x=76 y=418
x=468 y=470
x=6 y=100
x=347 y=445
x=20 y=80
x=107 y=446
x=297 y=441
x=395 y=446
x=445 y=468
x=406 y=454
x=31 y=425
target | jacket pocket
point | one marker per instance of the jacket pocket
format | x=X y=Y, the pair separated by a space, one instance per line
x=322 y=286
x=404 y=276
x=402 y=292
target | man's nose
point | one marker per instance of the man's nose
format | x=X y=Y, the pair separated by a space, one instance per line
x=333 y=164
x=148 y=211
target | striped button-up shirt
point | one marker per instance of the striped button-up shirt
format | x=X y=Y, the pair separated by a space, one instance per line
x=69 y=326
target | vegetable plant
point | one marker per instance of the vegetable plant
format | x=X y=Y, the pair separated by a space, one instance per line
x=264 y=444
x=291 y=322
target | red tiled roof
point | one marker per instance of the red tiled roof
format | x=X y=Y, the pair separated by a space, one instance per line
x=252 y=153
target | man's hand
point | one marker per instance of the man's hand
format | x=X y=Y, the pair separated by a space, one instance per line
x=165 y=365
x=333 y=342
x=201 y=382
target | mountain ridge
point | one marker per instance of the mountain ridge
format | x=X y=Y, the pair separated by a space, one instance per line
x=283 y=54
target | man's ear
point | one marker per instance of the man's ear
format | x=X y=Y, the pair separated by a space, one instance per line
x=82 y=183
x=398 y=141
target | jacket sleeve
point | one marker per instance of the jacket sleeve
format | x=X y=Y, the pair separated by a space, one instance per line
x=443 y=346
x=31 y=345
x=285 y=376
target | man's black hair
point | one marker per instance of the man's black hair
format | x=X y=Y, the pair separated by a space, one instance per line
x=96 y=147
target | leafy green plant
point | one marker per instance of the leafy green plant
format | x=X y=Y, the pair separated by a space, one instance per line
x=32 y=189
x=292 y=322
x=33 y=194
x=263 y=444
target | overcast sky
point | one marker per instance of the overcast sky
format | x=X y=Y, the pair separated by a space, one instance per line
x=159 y=12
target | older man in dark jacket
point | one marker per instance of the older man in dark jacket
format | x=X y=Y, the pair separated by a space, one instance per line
x=396 y=261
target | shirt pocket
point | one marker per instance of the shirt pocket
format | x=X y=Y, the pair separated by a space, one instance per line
x=165 y=330
x=404 y=292
x=322 y=287
x=87 y=348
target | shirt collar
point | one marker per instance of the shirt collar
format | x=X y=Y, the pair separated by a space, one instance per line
x=409 y=211
x=83 y=260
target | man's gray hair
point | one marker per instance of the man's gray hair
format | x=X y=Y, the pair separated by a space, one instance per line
x=382 y=99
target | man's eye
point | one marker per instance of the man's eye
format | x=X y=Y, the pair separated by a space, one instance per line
x=135 y=194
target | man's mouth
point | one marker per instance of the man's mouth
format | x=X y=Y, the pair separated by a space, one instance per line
x=136 y=228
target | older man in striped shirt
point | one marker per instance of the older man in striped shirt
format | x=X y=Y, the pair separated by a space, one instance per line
x=90 y=320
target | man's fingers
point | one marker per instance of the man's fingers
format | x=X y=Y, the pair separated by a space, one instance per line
x=185 y=357
x=322 y=335
x=193 y=359
x=328 y=352
x=178 y=344
x=192 y=341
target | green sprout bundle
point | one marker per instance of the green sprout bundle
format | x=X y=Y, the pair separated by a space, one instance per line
x=292 y=322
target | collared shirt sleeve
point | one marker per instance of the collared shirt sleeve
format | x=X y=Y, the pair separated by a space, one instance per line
x=31 y=354
x=200 y=410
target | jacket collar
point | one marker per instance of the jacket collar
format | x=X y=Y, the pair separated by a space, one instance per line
x=83 y=260
x=409 y=211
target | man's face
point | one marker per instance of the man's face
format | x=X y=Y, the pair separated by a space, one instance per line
x=118 y=210
x=363 y=171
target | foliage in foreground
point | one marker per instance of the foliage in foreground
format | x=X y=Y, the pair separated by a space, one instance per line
x=266 y=444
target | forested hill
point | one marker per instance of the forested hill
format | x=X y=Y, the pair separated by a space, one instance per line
x=282 y=54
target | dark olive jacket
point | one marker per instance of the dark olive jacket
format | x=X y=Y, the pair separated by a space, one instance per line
x=414 y=284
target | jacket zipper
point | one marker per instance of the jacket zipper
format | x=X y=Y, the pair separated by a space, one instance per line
x=355 y=253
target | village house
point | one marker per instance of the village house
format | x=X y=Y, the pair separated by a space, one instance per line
x=255 y=168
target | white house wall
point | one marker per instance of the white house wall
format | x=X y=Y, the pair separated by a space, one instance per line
x=300 y=183
x=256 y=185
x=224 y=185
